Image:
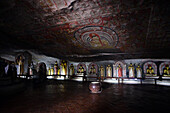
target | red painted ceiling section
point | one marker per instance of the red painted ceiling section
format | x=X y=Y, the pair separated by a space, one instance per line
x=86 y=29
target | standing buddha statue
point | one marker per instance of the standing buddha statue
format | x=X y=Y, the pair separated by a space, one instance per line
x=101 y=71
x=131 y=70
x=139 y=71
x=109 y=71
x=119 y=68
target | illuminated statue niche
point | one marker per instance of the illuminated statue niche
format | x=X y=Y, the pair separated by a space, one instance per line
x=164 y=69
x=92 y=69
x=81 y=69
x=119 y=69
x=150 y=69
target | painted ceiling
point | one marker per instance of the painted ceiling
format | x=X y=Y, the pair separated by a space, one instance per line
x=84 y=30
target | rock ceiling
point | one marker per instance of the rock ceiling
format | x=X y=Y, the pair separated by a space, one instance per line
x=85 y=30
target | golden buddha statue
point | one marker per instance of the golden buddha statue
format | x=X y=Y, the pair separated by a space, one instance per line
x=64 y=67
x=109 y=71
x=81 y=69
x=58 y=71
x=49 y=71
x=166 y=71
x=92 y=70
x=101 y=71
x=150 y=70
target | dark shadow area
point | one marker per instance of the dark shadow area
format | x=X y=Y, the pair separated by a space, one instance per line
x=75 y=97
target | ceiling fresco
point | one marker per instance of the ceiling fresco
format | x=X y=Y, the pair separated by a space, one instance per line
x=86 y=29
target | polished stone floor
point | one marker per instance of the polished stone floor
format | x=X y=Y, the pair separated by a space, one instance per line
x=75 y=97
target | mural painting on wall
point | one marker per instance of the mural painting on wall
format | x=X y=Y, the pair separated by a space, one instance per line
x=63 y=68
x=109 y=71
x=119 y=69
x=56 y=68
x=150 y=69
x=20 y=64
x=164 y=69
x=139 y=71
x=131 y=71
x=97 y=37
x=92 y=68
x=71 y=70
x=81 y=68
x=101 y=71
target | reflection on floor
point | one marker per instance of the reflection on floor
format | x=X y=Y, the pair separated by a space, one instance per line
x=75 y=97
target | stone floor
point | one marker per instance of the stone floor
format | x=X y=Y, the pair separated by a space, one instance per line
x=75 y=97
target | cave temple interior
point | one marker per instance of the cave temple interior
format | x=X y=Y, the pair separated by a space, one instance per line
x=84 y=56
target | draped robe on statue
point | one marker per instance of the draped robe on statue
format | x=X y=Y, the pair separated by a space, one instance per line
x=119 y=71
x=139 y=72
x=101 y=71
x=55 y=69
x=131 y=72
x=109 y=71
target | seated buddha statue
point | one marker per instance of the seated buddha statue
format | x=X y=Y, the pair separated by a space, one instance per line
x=81 y=69
x=166 y=71
x=150 y=70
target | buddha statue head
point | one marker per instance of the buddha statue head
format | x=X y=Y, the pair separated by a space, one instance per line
x=119 y=65
x=149 y=67
x=167 y=67
x=138 y=66
x=131 y=64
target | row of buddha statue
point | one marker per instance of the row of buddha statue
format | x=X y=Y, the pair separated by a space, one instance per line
x=150 y=71
x=57 y=70
x=119 y=70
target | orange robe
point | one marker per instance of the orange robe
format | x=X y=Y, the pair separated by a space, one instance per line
x=120 y=72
